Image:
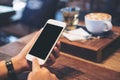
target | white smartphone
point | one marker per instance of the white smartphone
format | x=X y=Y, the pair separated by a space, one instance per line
x=46 y=41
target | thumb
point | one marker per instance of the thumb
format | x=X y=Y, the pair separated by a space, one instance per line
x=29 y=44
x=35 y=65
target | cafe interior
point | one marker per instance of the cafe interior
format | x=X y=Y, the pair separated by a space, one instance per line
x=93 y=58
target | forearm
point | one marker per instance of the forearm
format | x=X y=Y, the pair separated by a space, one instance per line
x=3 y=69
x=18 y=66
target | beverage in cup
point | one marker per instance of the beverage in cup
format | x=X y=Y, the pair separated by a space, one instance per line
x=98 y=23
x=70 y=15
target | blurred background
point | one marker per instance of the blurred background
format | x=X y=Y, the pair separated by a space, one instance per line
x=21 y=17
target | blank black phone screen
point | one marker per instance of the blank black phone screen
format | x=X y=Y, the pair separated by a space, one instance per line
x=45 y=41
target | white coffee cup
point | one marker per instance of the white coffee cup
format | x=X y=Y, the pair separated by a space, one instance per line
x=98 y=23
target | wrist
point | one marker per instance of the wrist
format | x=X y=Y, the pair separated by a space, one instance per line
x=19 y=64
x=10 y=69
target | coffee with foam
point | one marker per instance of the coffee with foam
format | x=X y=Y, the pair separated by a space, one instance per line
x=98 y=23
x=98 y=16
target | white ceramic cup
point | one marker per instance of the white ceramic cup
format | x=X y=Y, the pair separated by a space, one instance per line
x=98 y=23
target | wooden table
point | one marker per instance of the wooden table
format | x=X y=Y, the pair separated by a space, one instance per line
x=68 y=67
x=96 y=45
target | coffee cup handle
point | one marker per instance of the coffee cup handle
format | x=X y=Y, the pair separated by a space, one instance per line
x=108 y=26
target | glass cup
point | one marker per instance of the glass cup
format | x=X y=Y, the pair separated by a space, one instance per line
x=70 y=15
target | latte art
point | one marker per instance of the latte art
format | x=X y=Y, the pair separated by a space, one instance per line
x=98 y=16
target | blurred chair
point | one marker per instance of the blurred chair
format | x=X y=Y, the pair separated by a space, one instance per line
x=5 y=13
x=37 y=12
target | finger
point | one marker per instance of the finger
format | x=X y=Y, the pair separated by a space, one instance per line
x=31 y=42
x=29 y=45
x=58 y=45
x=56 y=52
x=51 y=60
x=49 y=63
x=35 y=65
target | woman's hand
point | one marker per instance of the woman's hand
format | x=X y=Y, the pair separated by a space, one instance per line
x=54 y=55
x=40 y=73
x=21 y=64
